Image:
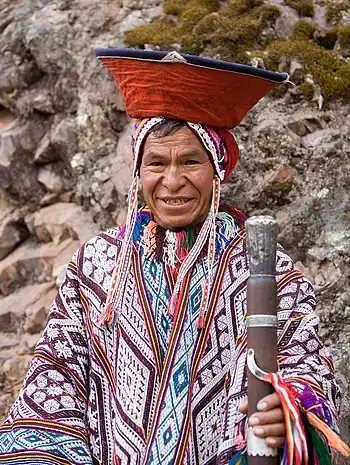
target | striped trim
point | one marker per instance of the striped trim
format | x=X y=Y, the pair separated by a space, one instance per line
x=45 y=425
x=291 y=276
x=201 y=344
x=28 y=456
x=99 y=353
x=147 y=312
x=176 y=332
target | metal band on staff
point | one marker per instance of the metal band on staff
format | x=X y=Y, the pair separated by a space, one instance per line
x=262 y=321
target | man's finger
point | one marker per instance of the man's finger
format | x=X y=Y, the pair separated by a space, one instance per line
x=269 y=402
x=275 y=430
x=275 y=442
x=267 y=417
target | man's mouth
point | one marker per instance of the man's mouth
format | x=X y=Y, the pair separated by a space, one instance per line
x=178 y=201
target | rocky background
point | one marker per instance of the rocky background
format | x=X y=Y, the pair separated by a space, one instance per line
x=65 y=156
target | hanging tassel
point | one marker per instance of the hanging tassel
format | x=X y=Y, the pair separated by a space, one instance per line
x=123 y=260
x=150 y=238
x=211 y=252
x=332 y=438
x=320 y=451
x=296 y=451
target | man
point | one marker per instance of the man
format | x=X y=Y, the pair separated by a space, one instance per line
x=143 y=359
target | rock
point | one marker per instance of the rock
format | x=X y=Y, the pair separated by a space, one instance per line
x=319 y=137
x=306 y=125
x=122 y=162
x=8 y=340
x=279 y=179
x=28 y=343
x=12 y=233
x=296 y=72
x=17 y=173
x=61 y=220
x=36 y=313
x=46 y=152
x=14 y=370
x=5 y=403
x=285 y=23
x=59 y=273
x=31 y=262
x=64 y=138
x=51 y=180
x=49 y=198
x=7 y=119
x=53 y=23
x=13 y=308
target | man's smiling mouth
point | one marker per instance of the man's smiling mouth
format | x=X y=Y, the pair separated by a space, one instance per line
x=177 y=201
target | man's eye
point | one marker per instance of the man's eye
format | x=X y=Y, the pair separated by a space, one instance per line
x=156 y=163
x=191 y=162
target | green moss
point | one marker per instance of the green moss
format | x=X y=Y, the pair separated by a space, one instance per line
x=335 y=10
x=303 y=30
x=174 y=7
x=243 y=6
x=303 y=7
x=307 y=90
x=344 y=37
x=269 y=14
x=162 y=32
x=331 y=74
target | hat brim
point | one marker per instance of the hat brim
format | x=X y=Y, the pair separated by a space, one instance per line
x=202 y=90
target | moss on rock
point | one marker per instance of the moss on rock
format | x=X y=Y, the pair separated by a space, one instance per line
x=331 y=74
x=303 y=30
x=335 y=9
x=303 y=7
x=344 y=37
x=162 y=32
x=241 y=29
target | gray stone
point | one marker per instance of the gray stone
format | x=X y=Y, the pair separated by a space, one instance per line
x=12 y=233
x=51 y=180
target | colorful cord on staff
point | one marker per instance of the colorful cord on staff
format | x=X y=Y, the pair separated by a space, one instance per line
x=308 y=438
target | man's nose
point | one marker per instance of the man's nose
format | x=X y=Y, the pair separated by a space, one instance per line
x=173 y=178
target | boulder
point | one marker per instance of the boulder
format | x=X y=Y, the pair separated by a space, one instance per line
x=61 y=220
x=15 y=308
x=50 y=179
x=36 y=313
x=17 y=145
x=122 y=162
x=32 y=263
x=12 y=233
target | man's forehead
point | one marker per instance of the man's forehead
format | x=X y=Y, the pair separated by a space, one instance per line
x=181 y=138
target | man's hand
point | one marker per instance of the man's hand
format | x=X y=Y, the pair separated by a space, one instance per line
x=268 y=422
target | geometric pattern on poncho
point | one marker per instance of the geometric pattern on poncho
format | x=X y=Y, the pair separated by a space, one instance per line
x=105 y=386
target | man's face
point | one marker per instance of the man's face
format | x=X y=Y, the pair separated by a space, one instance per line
x=177 y=177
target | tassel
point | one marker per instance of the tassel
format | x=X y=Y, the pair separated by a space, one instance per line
x=321 y=455
x=211 y=252
x=239 y=459
x=107 y=315
x=332 y=438
x=123 y=261
x=296 y=451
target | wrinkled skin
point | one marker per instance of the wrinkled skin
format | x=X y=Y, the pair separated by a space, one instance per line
x=177 y=177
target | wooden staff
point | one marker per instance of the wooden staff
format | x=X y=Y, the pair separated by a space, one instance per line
x=261 y=323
